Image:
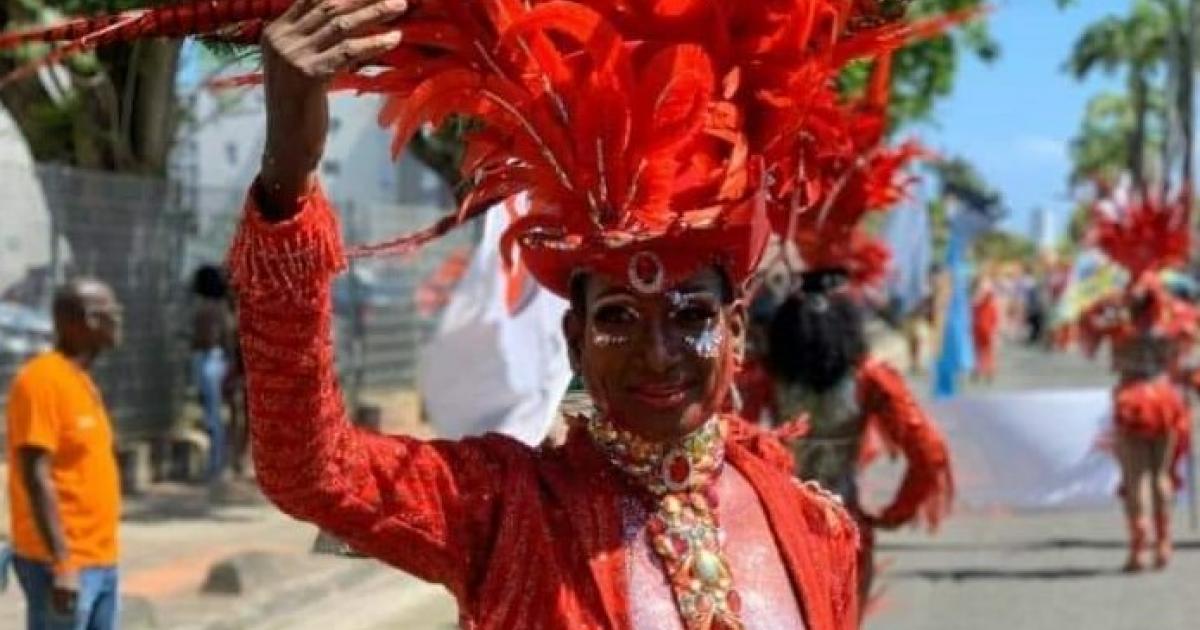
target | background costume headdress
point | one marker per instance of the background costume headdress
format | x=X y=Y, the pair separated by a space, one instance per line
x=649 y=134
x=1144 y=234
x=851 y=173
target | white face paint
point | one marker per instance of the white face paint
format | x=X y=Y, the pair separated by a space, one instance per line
x=622 y=308
x=676 y=299
x=607 y=340
x=707 y=343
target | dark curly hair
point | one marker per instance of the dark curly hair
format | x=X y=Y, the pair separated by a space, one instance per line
x=209 y=281
x=816 y=339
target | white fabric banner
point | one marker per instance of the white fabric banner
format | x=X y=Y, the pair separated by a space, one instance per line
x=498 y=362
x=1030 y=449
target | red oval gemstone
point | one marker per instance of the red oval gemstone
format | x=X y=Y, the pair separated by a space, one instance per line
x=734 y=600
x=678 y=470
x=646 y=268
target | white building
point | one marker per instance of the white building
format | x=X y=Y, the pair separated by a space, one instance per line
x=25 y=226
x=221 y=149
x=1043 y=230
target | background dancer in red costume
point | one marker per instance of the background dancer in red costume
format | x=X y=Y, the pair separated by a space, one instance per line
x=640 y=130
x=1149 y=331
x=823 y=371
x=985 y=327
x=818 y=349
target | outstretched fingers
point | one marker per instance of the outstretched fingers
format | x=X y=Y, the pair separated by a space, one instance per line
x=353 y=52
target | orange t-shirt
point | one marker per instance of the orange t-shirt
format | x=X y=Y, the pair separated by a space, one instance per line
x=53 y=404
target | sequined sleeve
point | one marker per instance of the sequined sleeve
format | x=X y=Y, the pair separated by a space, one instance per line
x=842 y=558
x=928 y=486
x=425 y=507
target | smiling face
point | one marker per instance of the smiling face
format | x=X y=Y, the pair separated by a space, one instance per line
x=658 y=364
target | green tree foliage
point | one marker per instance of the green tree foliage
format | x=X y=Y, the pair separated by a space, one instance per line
x=1137 y=45
x=1151 y=125
x=1102 y=145
x=924 y=72
x=115 y=109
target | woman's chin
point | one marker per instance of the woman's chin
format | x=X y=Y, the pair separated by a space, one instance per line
x=661 y=425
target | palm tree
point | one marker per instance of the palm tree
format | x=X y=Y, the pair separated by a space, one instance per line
x=1101 y=147
x=1138 y=44
x=1156 y=40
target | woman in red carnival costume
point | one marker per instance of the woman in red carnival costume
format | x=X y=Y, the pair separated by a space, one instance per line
x=639 y=129
x=1149 y=331
x=985 y=327
x=818 y=349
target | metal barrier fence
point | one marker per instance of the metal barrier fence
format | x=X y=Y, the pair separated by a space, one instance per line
x=128 y=231
x=144 y=237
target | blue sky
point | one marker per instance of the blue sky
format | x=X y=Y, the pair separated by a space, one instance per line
x=1013 y=118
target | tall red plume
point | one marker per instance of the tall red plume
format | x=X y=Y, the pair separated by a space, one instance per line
x=627 y=122
x=1143 y=235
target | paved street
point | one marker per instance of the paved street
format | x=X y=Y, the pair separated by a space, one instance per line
x=1033 y=571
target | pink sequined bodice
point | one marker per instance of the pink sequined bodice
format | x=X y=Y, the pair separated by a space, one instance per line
x=769 y=601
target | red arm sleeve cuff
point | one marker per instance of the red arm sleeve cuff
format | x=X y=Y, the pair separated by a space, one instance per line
x=928 y=486
x=425 y=507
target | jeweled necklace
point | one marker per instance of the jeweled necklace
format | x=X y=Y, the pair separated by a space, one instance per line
x=684 y=528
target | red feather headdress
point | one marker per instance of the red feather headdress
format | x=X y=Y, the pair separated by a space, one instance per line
x=650 y=135
x=849 y=175
x=1142 y=234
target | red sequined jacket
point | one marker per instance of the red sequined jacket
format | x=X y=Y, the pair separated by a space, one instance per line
x=522 y=538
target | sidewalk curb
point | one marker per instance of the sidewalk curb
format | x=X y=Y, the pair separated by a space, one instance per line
x=240 y=612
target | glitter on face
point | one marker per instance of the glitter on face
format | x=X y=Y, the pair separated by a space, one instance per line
x=607 y=340
x=676 y=299
x=707 y=344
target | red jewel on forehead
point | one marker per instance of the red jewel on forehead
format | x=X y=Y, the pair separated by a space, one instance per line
x=646 y=272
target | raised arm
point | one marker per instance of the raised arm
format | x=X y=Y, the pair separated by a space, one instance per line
x=426 y=507
x=928 y=486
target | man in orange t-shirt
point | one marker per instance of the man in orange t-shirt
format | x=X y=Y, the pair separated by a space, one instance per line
x=63 y=487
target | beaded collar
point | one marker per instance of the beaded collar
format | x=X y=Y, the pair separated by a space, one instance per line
x=684 y=528
x=662 y=468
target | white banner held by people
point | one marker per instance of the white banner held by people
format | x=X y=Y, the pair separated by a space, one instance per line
x=1031 y=449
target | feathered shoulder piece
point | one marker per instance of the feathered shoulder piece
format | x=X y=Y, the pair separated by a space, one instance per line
x=927 y=491
x=1146 y=304
x=641 y=130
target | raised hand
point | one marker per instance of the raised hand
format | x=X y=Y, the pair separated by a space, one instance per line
x=302 y=50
